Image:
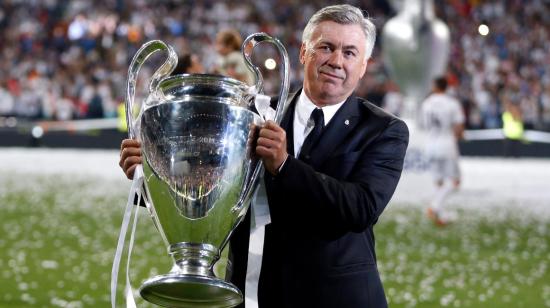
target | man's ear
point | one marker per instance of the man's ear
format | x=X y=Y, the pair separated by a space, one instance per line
x=364 y=67
x=303 y=53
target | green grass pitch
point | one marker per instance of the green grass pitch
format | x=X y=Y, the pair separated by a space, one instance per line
x=59 y=234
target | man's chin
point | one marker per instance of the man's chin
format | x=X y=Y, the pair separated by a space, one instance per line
x=331 y=97
x=331 y=84
x=331 y=88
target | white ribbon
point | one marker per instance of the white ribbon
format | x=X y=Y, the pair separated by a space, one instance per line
x=260 y=217
x=263 y=106
x=136 y=189
x=260 y=209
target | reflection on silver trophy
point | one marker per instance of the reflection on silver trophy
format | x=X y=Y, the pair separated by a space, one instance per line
x=197 y=133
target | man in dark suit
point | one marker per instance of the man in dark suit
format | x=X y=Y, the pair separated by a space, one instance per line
x=326 y=192
x=331 y=169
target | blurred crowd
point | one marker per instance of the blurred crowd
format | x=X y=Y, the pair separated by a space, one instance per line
x=509 y=67
x=66 y=59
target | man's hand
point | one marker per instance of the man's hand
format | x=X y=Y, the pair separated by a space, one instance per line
x=271 y=146
x=130 y=156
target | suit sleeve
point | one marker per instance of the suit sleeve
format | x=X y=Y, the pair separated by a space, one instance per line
x=356 y=203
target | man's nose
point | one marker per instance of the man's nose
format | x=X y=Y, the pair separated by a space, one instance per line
x=336 y=59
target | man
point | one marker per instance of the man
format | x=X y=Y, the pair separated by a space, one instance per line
x=444 y=120
x=331 y=168
x=512 y=127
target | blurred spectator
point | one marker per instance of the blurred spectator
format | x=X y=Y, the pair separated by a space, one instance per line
x=6 y=100
x=231 y=62
x=512 y=127
x=188 y=64
x=95 y=104
x=393 y=100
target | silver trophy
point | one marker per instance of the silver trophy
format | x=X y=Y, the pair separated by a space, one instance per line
x=415 y=46
x=198 y=134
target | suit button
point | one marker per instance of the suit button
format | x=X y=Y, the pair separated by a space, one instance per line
x=308 y=157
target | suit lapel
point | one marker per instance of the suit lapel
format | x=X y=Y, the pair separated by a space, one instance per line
x=287 y=123
x=339 y=127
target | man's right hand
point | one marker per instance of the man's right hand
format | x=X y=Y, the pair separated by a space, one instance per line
x=130 y=156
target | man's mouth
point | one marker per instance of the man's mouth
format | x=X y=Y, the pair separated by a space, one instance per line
x=330 y=74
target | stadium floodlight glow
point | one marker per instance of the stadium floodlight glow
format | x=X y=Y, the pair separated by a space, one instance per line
x=37 y=132
x=270 y=64
x=483 y=29
x=11 y=122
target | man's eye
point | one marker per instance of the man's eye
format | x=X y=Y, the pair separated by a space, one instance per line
x=349 y=53
x=324 y=48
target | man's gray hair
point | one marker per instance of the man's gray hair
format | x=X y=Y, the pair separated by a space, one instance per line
x=343 y=14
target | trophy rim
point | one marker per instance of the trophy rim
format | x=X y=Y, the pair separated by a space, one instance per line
x=205 y=78
x=179 y=290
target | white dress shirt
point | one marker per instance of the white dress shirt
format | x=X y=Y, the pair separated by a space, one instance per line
x=302 y=113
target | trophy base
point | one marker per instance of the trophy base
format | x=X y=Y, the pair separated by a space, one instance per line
x=178 y=290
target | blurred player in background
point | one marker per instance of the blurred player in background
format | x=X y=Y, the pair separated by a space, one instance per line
x=231 y=62
x=512 y=128
x=443 y=118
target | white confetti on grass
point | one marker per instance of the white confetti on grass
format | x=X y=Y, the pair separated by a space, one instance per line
x=61 y=214
x=49 y=264
x=61 y=227
x=469 y=258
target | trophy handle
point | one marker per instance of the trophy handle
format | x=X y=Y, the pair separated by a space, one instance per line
x=248 y=46
x=139 y=58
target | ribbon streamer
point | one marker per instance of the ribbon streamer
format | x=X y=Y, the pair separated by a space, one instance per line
x=137 y=185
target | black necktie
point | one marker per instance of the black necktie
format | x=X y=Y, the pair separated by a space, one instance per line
x=313 y=137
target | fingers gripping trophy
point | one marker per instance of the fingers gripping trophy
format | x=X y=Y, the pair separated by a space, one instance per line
x=197 y=133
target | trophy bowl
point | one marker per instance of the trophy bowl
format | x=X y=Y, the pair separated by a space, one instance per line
x=198 y=168
x=198 y=136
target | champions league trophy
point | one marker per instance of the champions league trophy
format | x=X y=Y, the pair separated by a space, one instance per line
x=198 y=134
x=415 y=46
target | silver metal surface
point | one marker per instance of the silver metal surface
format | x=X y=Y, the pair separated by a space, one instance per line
x=175 y=290
x=198 y=136
x=140 y=57
x=415 y=47
x=248 y=46
x=198 y=167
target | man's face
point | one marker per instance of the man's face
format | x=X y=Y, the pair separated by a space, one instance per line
x=334 y=62
x=221 y=48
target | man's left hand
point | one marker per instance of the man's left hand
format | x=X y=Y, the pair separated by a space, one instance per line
x=271 y=146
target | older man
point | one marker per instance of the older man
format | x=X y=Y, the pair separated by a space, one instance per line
x=331 y=169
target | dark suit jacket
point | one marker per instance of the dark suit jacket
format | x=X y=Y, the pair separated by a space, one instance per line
x=319 y=247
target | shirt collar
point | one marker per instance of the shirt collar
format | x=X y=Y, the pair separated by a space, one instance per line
x=304 y=108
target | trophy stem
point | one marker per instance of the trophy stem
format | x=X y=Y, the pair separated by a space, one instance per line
x=191 y=282
x=194 y=258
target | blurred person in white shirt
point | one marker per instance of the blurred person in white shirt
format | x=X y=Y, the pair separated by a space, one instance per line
x=231 y=62
x=443 y=118
x=7 y=101
x=393 y=100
